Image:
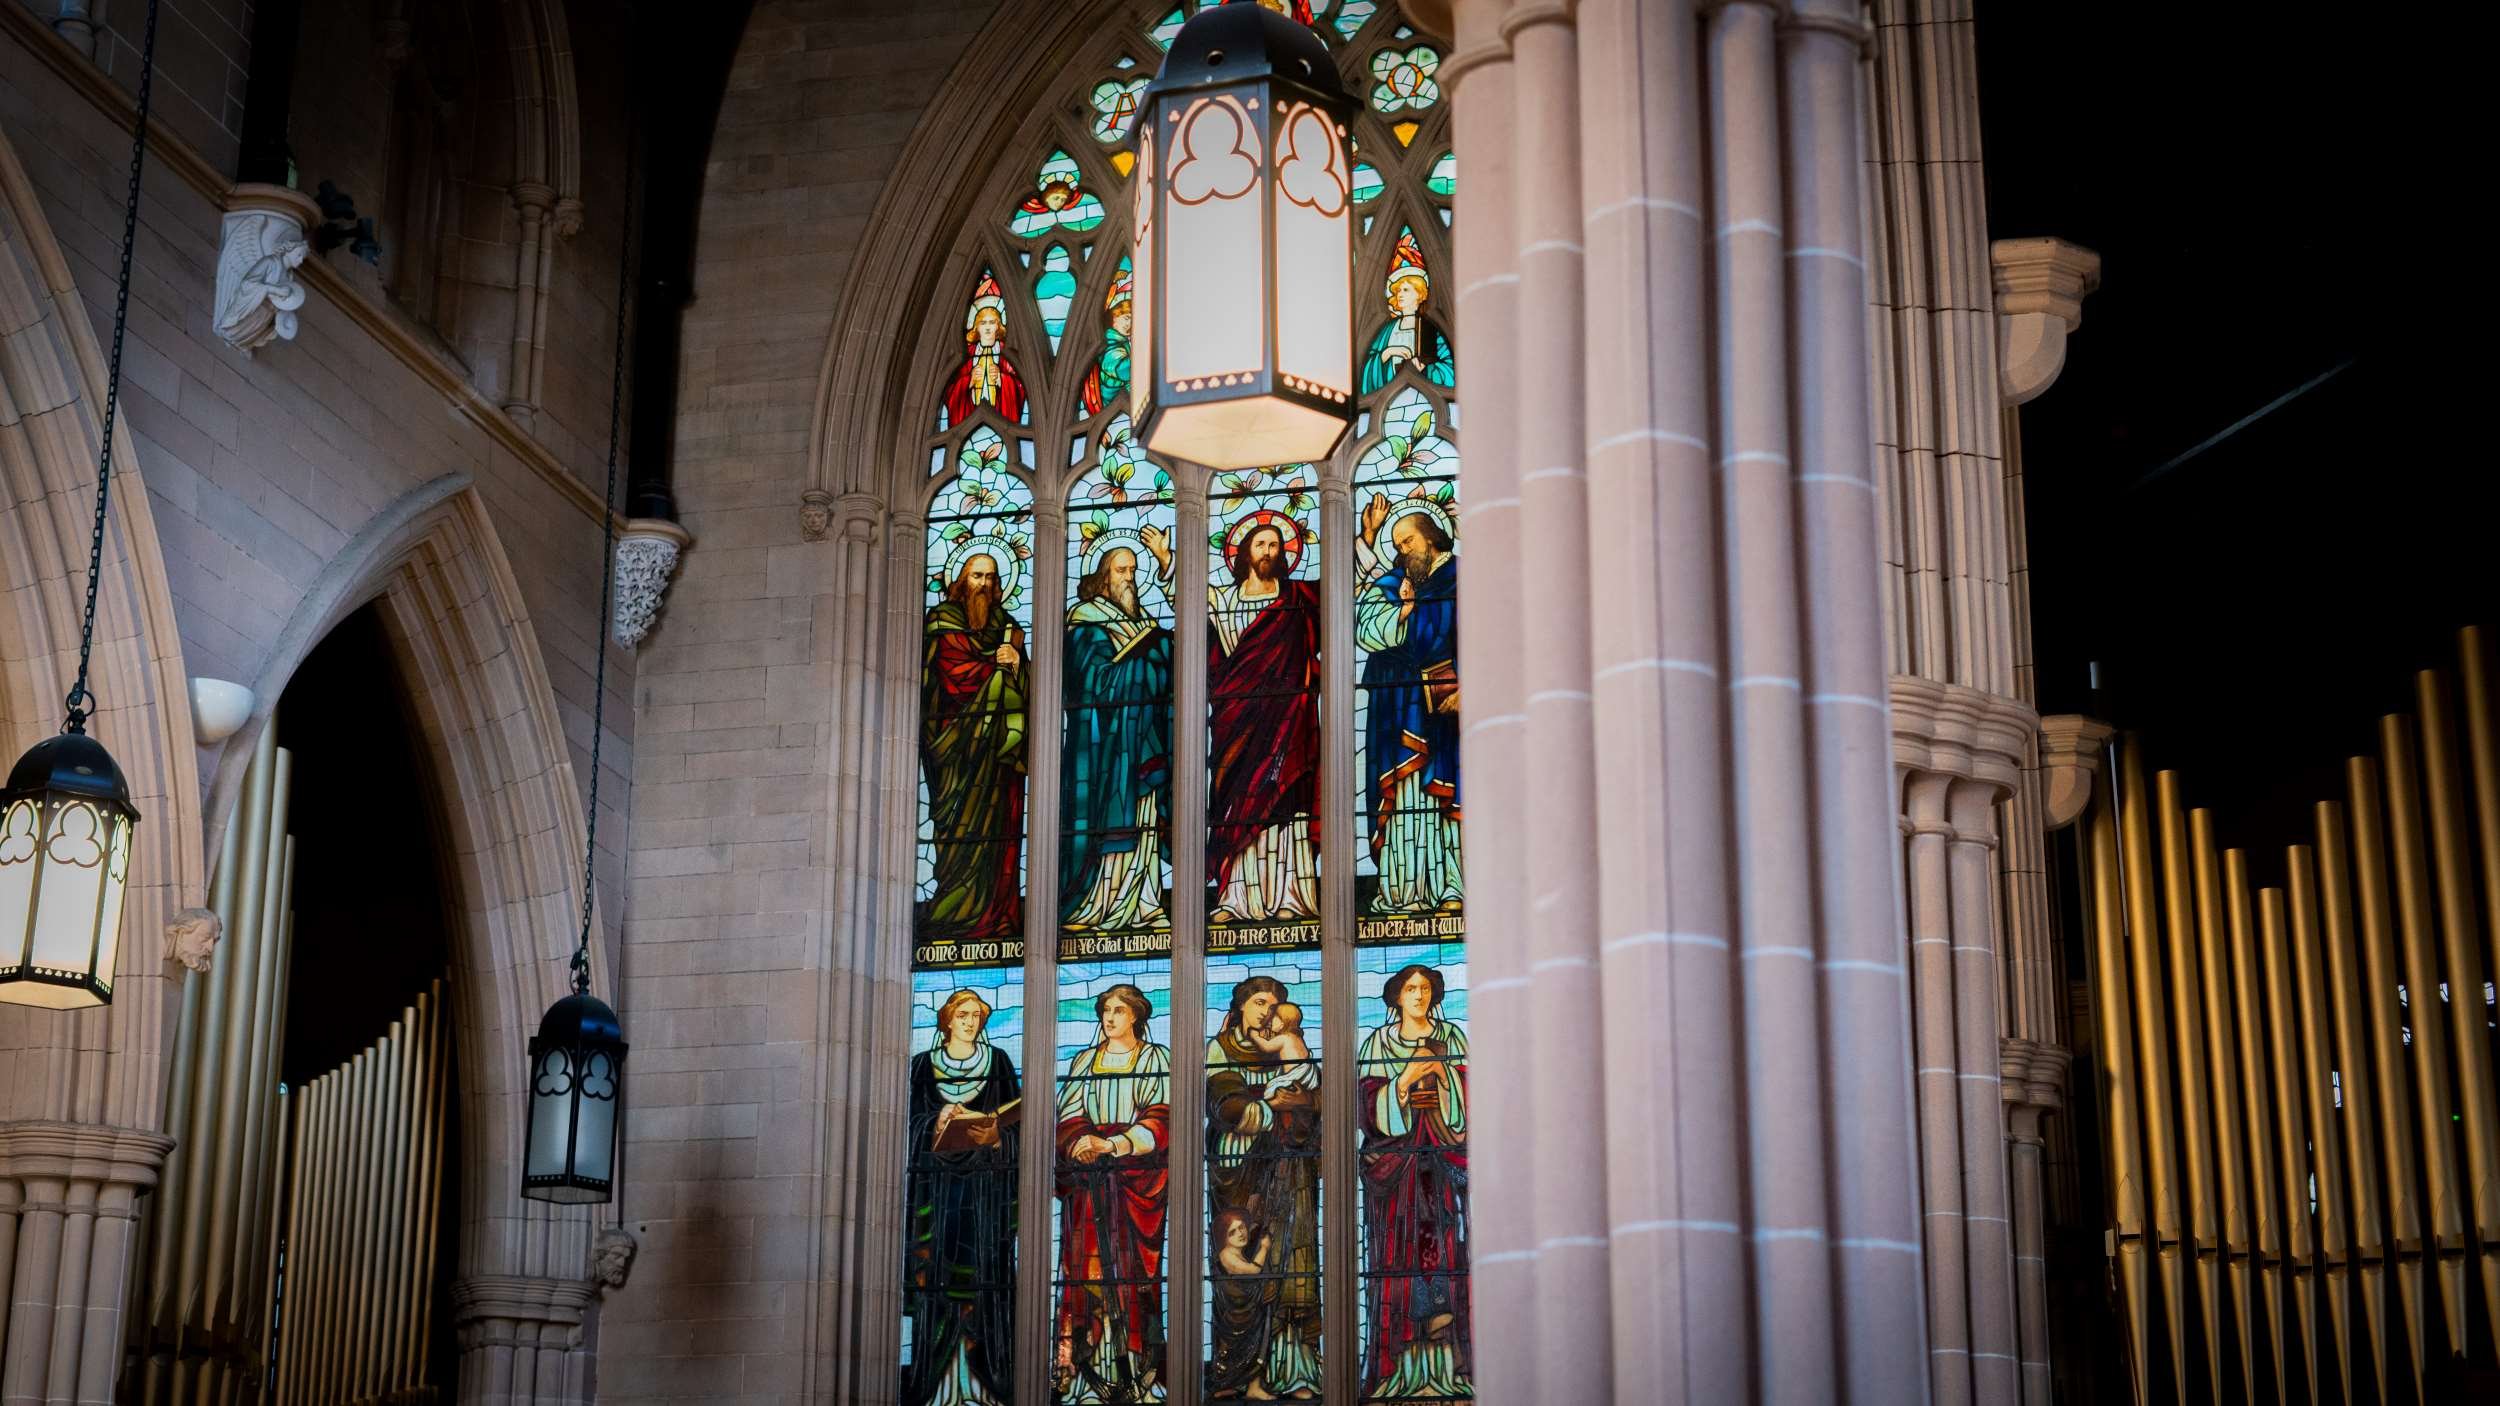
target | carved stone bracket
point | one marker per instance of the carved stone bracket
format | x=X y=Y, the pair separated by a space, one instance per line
x=815 y=514
x=1957 y=731
x=646 y=559
x=2040 y=287
x=2071 y=748
x=264 y=240
x=2032 y=1077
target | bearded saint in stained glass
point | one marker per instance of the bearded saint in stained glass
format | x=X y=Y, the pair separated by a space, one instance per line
x=1263 y=688
x=1108 y=381
x=1406 y=621
x=987 y=377
x=972 y=716
x=1411 y=339
x=1116 y=788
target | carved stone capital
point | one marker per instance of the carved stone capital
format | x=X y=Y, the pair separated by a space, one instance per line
x=2071 y=749
x=520 y=1311
x=646 y=558
x=533 y=199
x=262 y=242
x=1956 y=731
x=38 y=1153
x=859 y=513
x=2040 y=287
x=2032 y=1076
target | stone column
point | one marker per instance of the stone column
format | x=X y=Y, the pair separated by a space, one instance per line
x=69 y=1195
x=1694 y=1156
x=522 y=1341
x=1959 y=340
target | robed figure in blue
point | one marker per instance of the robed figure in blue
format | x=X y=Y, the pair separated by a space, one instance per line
x=1116 y=787
x=1406 y=623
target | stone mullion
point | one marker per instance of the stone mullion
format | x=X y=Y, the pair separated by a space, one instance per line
x=1340 y=1357
x=1184 y=1221
x=1041 y=913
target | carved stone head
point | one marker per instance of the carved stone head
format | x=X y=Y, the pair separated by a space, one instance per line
x=192 y=936
x=815 y=514
x=613 y=1259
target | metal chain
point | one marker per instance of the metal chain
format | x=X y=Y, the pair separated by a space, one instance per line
x=80 y=703
x=607 y=551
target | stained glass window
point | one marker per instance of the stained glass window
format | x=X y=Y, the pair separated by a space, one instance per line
x=1290 y=876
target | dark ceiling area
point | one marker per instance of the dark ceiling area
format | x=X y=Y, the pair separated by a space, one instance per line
x=2255 y=493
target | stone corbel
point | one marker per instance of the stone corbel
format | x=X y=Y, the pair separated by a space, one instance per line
x=2040 y=287
x=2071 y=748
x=815 y=515
x=265 y=237
x=1956 y=731
x=646 y=558
x=2032 y=1077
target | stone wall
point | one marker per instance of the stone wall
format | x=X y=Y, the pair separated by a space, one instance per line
x=729 y=886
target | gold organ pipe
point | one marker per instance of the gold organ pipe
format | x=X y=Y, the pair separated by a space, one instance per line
x=2359 y=1119
x=210 y=1218
x=2153 y=1053
x=247 y=1023
x=2461 y=951
x=260 y=1071
x=393 y=1201
x=2400 y=1146
x=166 y=1238
x=283 y=1264
x=433 y=1108
x=2430 y=1038
x=2119 y=1098
x=2230 y=1121
x=2290 y=1125
x=2317 y=1072
x=2265 y=1201
x=2482 y=741
x=437 y=1133
x=2178 y=903
x=282 y=1128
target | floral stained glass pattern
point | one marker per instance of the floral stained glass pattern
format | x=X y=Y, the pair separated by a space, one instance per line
x=1403 y=81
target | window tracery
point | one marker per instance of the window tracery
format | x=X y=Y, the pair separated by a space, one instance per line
x=1308 y=614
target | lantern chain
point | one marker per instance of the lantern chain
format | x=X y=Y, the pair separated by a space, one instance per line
x=607 y=550
x=80 y=703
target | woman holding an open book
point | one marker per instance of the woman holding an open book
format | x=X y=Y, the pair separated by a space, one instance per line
x=960 y=1246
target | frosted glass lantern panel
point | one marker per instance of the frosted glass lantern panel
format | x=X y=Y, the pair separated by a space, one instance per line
x=1312 y=269
x=594 y=1145
x=1215 y=310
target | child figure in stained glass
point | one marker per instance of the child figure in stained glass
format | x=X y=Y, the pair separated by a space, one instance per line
x=986 y=377
x=1108 y=381
x=1410 y=339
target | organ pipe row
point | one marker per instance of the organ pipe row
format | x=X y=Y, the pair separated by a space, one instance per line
x=2301 y=1124
x=353 y=1300
x=201 y=1305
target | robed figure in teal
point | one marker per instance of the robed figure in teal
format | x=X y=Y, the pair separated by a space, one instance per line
x=1116 y=785
x=1412 y=339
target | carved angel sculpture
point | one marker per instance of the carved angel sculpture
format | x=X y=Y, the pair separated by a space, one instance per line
x=257 y=294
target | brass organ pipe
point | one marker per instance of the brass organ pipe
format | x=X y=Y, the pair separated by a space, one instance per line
x=2153 y=1053
x=2230 y=1121
x=429 y=1240
x=167 y=1233
x=395 y=1281
x=2290 y=1125
x=268 y=1042
x=369 y=1150
x=339 y=1301
x=2120 y=1101
x=282 y=1131
x=2430 y=1037
x=230 y=1000
x=2401 y=1139
x=321 y=1202
x=2461 y=949
x=2359 y=1120
x=247 y=1029
x=2195 y=1110
x=2482 y=741
x=2265 y=1198
x=297 y=1284
x=2317 y=1072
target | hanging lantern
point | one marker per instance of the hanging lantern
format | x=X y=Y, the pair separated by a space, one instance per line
x=1244 y=245
x=65 y=823
x=577 y=1074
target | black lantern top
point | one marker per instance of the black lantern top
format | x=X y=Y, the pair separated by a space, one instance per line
x=1248 y=43
x=72 y=763
x=577 y=1020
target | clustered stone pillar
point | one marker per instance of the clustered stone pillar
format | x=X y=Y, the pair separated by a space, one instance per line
x=521 y=1340
x=1960 y=339
x=1694 y=1161
x=69 y=1204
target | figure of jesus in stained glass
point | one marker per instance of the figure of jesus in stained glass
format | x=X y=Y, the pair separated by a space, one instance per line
x=1412 y=339
x=1263 y=692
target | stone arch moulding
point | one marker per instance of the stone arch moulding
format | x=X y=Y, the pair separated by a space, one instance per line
x=493 y=742
x=107 y=1065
